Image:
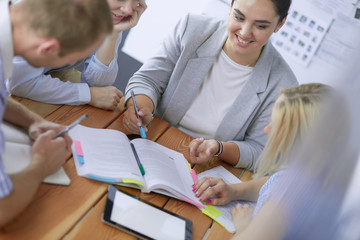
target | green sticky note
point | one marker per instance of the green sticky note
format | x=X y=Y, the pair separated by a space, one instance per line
x=133 y=181
x=211 y=211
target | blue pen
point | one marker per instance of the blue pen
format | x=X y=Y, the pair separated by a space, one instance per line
x=141 y=128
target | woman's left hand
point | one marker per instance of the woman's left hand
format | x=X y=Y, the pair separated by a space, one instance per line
x=202 y=150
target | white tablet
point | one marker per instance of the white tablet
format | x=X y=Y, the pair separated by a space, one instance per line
x=142 y=219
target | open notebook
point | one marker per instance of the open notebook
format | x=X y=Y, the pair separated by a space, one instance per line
x=18 y=154
x=107 y=155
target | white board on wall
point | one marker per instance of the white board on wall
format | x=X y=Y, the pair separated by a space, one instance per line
x=337 y=48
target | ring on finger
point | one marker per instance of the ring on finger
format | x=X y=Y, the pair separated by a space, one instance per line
x=127 y=124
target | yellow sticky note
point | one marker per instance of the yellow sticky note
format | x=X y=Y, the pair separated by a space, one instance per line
x=211 y=211
x=189 y=166
x=133 y=181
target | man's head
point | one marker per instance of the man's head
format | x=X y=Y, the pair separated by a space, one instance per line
x=54 y=33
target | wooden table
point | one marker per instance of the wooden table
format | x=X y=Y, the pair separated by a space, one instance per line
x=74 y=212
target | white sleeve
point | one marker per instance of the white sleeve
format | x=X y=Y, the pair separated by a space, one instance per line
x=32 y=83
x=95 y=73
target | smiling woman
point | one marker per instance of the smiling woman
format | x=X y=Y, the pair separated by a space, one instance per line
x=232 y=67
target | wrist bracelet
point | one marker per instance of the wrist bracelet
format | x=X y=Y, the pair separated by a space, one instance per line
x=220 y=148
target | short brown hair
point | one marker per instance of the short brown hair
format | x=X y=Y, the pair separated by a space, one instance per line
x=76 y=24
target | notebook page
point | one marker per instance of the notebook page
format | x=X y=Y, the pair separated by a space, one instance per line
x=107 y=154
x=15 y=134
x=17 y=155
x=229 y=178
x=165 y=169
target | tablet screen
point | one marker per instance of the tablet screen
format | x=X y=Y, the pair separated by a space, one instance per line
x=129 y=213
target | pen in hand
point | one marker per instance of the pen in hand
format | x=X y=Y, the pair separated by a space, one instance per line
x=72 y=125
x=141 y=128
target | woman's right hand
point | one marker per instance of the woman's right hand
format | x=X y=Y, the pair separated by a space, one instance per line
x=213 y=190
x=130 y=120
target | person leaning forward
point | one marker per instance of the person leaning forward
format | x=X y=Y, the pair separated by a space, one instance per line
x=50 y=34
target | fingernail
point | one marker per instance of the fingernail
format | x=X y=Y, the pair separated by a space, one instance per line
x=197 y=194
x=194 y=189
x=193 y=185
x=200 y=199
x=209 y=201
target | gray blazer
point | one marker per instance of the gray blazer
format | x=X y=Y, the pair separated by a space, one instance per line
x=174 y=75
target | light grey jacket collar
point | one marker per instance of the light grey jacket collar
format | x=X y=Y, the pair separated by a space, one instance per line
x=194 y=74
x=247 y=103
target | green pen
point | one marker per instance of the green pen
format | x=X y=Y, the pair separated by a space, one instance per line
x=138 y=160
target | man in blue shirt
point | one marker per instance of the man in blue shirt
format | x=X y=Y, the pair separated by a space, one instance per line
x=50 y=34
x=93 y=84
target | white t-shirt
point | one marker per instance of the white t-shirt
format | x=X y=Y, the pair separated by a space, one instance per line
x=217 y=93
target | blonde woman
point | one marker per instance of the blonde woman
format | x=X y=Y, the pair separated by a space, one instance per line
x=292 y=118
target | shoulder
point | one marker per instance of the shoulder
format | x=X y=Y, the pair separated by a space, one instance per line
x=200 y=25
x=199 y=20
x=273 y=180
x=267 y=189
x=279 y=67
x=272 y=73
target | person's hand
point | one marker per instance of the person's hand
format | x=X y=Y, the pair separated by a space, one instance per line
x=49 y=153
x=213 y=190
x=130 y=120
x=132 y=19
x=241 y=216
x=202 y=150
x=42 y=126
x=107 y=97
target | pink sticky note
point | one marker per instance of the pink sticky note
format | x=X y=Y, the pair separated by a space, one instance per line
x=193 y=175
x=193 y=203
x=78 y=148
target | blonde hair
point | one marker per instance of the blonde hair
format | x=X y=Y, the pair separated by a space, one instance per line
x=76 y=24
x=293 y=114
